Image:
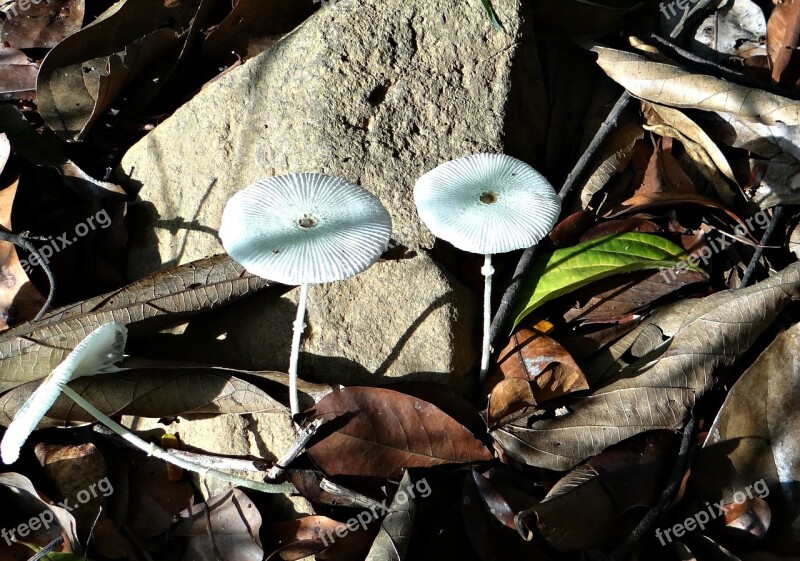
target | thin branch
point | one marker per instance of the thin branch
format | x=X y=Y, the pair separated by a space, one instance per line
x=303 y=436
x=675 y=478
x=206 y=460
x=777 y=215
x=526 y=261
x=47 y=549
x=23 y=242
x=167 y=456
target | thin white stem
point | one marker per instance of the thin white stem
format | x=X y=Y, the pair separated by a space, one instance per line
x=154 y=450
x=299 y=326
x=487 y=271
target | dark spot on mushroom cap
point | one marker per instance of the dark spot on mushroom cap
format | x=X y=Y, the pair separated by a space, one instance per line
x=307 y=221
x=488 y=197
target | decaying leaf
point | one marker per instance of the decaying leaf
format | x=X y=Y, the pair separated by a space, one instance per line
x=654 y=374
x=151 y=393
x=596 y=503
x=381 y=432
x=17 y=75
x=19 y=299
x=31 y=350
x=753 y=440
x=43 y=24
x=783 y=38
x=79 y=79
x=671 y=85
x=391 y=543
x=228 y=524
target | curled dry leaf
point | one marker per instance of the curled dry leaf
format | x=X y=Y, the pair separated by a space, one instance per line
x=596 y=503
x=228 y=524
x=613 y=157
x=671 y=122
x=19 y=299
x=43 y=24
x=31 y=350
x=394 y=536
x=783 y=38
x=654 y=374
x=541 y=364
x=19 y=491
x=380 y=432
x=79 y=79
x=754 y=440
x=17 y=75
x=671 y=85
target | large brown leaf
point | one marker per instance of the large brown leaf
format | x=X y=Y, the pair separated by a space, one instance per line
x=756 y=436
x=380 y=432
x=31 y=350
x=151 y=393
x=675 y=355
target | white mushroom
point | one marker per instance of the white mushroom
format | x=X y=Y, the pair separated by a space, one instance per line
x=304 y=228
x=96 y=354
x=487 y=203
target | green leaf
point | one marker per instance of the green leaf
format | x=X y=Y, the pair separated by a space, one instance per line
x=492 y=16
x=567 y=269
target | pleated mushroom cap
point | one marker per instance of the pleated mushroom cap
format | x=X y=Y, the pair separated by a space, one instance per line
x=95 y=354
x=303 y=228
x=487 y=203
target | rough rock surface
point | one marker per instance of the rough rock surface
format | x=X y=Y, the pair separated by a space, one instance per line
x=373 y=91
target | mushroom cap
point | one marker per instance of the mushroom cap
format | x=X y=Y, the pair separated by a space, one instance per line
x=97 y=353
x=303 y=228
x=487 y=203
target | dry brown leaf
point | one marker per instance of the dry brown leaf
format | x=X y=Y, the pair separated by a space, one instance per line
x=667 y=121
x=783 y=36
x=19 y=299
x=673 y=356
x=31 y=350
x=755 y=437
x=671 y=85
x=150 y=393
x=380 y=432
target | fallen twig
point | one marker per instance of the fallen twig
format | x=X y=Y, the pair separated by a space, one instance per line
x=303 y=436
x=525 y=262
x=675 y=478
x=24 y=242
x=751 y=267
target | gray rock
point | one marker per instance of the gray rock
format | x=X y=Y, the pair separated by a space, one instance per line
x=377 y=92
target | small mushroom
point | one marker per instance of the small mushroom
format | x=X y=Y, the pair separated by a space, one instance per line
x=487 y=204
x=96 y=354
x=304 y=228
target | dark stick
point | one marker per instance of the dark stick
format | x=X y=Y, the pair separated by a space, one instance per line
x=525 y=262
x=23 y=242
x=773 y=223
x=699 y=64
x=655 y=511
x=47 y=549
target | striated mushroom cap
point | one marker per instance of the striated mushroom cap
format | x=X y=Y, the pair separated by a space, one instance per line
x=487 y=203
x=303 y=228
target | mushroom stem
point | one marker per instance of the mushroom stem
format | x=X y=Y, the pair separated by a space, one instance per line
x=154 y=450
x=299 y=326
x=487 y=271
